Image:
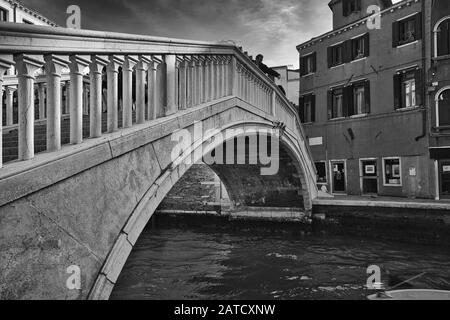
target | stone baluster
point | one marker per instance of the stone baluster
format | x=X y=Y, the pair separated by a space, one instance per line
x=219 y=77
x=53 y=69
x=77 y=66
x=153 y=95
x=188 y=67
x=26 y=67
x=216 y=77
x=273 y=103
x=224 y=77
x=171 y=84
x=41 y=97
x=9 y=105
x=194 y=80
x=207 y=79
x=127 y=93
x=201 y=79
x=5 y=63
x=96 y=95
x=141 y=69
x=112 y=72
x=212 y=79
x=183 y=84
x=161 y=88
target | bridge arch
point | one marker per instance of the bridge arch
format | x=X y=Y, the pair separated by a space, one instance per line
x=161 y=187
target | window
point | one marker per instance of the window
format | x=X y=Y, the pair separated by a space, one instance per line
x=442 y=38
x=337 y=104
x=351 y=6
x=360 y=47
x=321 y=172
x=308 y=64
x=349 y=101
x=308 y=108
x=407 y=91
x=335 y=55
x=3 y=15
x=392 y=172
x=359 y=100
x=407 y=30
x=443 y=112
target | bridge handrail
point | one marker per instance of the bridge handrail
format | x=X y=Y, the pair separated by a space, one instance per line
x=24 y=46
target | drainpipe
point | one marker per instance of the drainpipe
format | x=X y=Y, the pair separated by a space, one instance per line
x=424 y=75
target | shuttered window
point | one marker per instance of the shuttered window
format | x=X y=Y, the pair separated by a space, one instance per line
x=407 y=30
x=307 y=109
x=351 y=6
x=350 y=100
x=3 y=15
x=336 y=55
x=308 y=64
x=443 y=38
x=408 y=89
x=360 y=47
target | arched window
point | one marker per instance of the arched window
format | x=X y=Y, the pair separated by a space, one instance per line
x=442 y=37
x=443 y=108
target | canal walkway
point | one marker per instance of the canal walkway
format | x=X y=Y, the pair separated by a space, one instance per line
x=382 y=202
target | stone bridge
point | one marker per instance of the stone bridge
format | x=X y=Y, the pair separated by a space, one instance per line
x=79 y=182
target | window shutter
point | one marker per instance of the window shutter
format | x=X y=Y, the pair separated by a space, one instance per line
x=367 y=97
x=419 y=87
x=367 y=44
x=418 y=22
x=395 y=34
x=330 y=57
x=397 y=91
x=330 y=104
x=348 y=101
x=347 y=51
x=443 y=39
x=313 y=108
x=301 y=109
x=302 y=66
x=345 y=8
x=314 y=61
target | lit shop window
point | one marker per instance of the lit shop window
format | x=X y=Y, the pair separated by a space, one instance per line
x=392 y=172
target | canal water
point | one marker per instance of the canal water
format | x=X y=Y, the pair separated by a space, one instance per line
x=207 y=258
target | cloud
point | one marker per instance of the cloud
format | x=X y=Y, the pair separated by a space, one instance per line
x=272 y=28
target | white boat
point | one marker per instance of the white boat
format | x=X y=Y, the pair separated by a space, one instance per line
x=411 y=294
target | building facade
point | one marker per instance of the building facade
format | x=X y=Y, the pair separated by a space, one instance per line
x=14 y=11
x=370 y=92
x=290 y=81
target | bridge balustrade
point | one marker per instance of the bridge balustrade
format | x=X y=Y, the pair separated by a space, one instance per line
x=77 y=73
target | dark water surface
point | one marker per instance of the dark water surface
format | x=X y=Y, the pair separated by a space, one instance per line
x=202 y=258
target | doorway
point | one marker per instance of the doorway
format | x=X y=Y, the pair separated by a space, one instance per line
x=339 y=177
x=444 y=173
x=369 y=176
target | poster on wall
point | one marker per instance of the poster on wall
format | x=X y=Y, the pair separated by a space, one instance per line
x=370 y=169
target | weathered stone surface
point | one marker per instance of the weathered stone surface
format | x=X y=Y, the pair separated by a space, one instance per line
x=103 y=201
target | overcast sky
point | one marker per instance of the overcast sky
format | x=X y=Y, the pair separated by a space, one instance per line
x=271 y=27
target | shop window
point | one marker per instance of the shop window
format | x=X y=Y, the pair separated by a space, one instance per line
x=407 y=30
x=321 y=172
x=392 y=172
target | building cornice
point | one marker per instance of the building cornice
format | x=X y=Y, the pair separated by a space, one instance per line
x=32 y=12
x=356 y=24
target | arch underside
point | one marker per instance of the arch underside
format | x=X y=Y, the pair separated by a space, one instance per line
x=245 y=185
